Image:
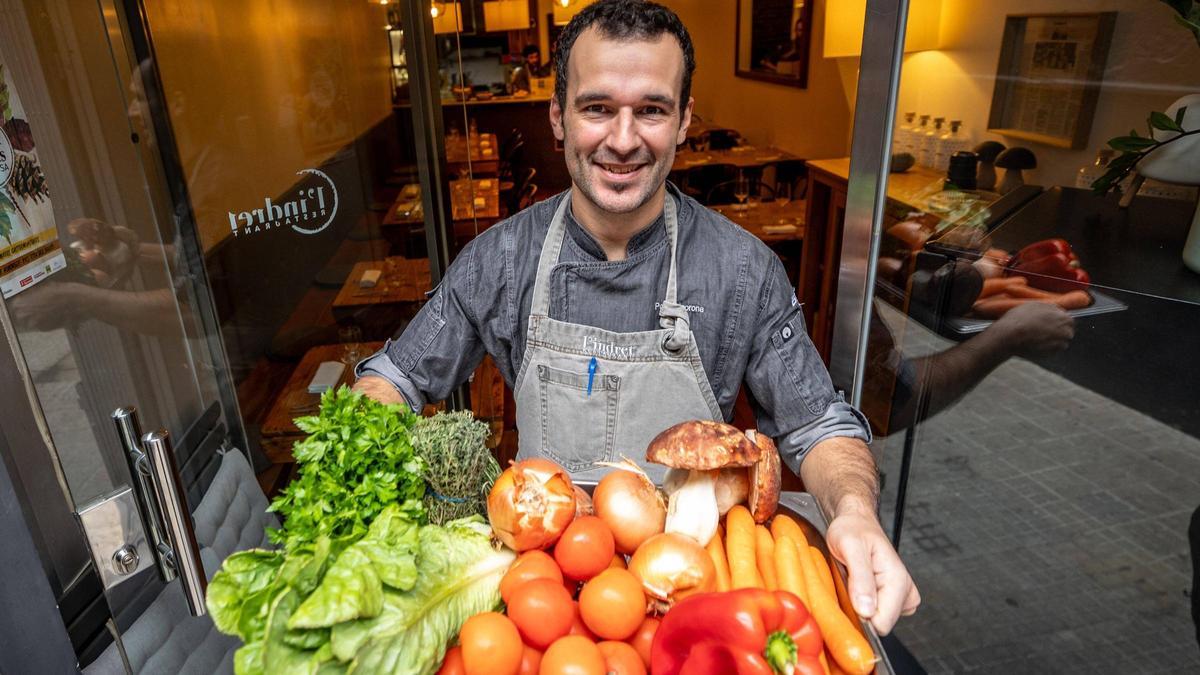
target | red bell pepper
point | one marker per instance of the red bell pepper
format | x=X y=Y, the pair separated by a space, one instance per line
x=744 y=632
x=1050 y=265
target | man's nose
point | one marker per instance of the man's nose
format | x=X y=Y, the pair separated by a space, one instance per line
x=623 y=138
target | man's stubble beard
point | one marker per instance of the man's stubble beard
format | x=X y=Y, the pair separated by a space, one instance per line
x=581 y=176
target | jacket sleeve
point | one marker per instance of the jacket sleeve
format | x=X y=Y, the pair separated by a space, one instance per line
x=441 y=347
x=794 y=398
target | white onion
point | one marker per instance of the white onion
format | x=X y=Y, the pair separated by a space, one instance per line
x=531 y=504
x=627 y=501
x=672 y=567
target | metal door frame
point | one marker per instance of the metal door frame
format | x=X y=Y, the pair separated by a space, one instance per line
x=870 y=160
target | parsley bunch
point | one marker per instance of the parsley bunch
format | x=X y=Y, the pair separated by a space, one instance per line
x=357 y=460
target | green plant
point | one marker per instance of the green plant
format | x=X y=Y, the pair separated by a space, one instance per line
x=1135 y=147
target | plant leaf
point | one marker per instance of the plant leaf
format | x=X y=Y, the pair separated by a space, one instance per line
x=1131 y=143
x=1179 y=115
x=1161 y=121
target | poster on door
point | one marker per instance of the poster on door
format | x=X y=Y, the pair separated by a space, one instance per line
x=29 y=248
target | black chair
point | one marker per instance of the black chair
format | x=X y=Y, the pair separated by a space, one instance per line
x=512 y=151
x=788 y=177
x=723 y=139
x=698 y=181
x=512 y=192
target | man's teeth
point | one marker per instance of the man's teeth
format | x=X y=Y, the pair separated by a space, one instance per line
x=615 y=168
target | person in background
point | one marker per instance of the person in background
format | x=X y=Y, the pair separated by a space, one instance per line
x=531 y=67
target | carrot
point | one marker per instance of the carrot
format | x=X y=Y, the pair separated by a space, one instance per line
x=822 y=566
x=849 y=648
x=739 y=548
x=784 y=526
x=764 y=556
x=993 y=286
x=1027 y=291
x=787 y=564
x=1074 y=300
x=830 y=663
x=716 y=551
x=995 y=307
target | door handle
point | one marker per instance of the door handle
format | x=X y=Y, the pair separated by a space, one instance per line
x=163 y=507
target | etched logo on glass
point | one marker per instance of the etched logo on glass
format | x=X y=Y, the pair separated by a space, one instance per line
x=310 y=210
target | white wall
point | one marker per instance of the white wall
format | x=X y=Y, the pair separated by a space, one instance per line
x=1152 y=62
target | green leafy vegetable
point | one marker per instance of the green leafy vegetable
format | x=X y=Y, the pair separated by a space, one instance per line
x=356 y=460
x=459 y=468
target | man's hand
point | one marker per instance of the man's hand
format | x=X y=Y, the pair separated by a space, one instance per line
x=379 y=389
x=1035 y=329
x=840 y=472
x=879 y=585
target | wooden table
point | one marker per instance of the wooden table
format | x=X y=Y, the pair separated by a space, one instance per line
x=484 y=154
x=403 y=280
x=278 y=431
x=469 y=200
x=772 y=222
x=743 y=157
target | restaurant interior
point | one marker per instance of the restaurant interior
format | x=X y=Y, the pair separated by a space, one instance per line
x=1037 y=477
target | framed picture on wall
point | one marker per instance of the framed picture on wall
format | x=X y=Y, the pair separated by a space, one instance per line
x=1049 y=75
x=772 y=40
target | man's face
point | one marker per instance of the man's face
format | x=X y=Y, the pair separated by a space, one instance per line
x=534 y=59
x=622 y=119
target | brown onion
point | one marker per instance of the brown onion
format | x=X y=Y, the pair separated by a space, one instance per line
x=673 y=566
x=583 y=503
x=531 y=504
x=631 y=506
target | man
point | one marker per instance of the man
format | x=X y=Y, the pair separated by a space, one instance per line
x=532 y=67
x=622 y=307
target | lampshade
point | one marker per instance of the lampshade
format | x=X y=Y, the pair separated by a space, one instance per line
x=565 y=11
x=499 y=15
x=844 y=26
x=447 y=17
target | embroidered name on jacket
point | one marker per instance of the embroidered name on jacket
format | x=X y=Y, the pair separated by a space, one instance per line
x=606 y=349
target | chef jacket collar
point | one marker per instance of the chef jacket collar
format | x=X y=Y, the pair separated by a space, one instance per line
x=648 y=235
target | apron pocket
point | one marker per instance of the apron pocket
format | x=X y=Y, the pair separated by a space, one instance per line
x=577 y=429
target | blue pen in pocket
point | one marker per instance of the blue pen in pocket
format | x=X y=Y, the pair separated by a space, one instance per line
x=591 y=374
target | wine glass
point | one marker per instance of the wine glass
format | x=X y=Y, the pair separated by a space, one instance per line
x=351 y=339
x=741 y=190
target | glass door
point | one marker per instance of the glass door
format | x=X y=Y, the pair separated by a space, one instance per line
x=106 y=308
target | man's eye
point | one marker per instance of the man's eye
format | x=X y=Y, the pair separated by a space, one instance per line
x=595 y=108
x=653 y=110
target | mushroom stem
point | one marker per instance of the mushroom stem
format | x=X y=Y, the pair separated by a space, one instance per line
x=692 y=508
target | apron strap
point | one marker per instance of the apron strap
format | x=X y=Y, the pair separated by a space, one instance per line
x=551 y=248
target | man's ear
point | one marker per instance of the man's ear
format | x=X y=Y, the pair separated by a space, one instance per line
x=556 y=119
x=685 y=120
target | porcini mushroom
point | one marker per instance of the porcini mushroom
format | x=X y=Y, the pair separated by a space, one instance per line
x=698 y=451
x=985 y=174
x=765 y=478
x=1014 y=161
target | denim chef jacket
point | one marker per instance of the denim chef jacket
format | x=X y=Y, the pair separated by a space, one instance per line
x=743 y=312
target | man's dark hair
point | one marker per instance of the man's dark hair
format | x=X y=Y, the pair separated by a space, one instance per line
x=624 y=20
x=531 y=49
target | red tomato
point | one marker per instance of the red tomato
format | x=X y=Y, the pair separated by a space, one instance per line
x=621 y=659
x=542 y=610
x=644 y=637
x=573 y=655
x=491 y=645
x=613 y=604
x=453 y=663
x=585 y=549
x=577 y=626
x=530 y=565
x=531 y=661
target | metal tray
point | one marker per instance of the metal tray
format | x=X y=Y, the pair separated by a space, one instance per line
x=803 y=507
x=1101 y=304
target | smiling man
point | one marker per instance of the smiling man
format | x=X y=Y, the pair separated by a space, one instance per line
x=622 y=307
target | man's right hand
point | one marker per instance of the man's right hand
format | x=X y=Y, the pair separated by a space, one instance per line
x=1035 y=329
x=377 y=388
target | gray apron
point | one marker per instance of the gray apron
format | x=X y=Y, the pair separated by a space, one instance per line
x=585 y=394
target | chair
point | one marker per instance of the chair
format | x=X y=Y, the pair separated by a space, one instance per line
x=512 y=150
x=789 y=176
x=527 y=196
x=723 y=139
x=511 y=193
x=698 y=181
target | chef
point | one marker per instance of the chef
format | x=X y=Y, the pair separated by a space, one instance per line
x=622 y=306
